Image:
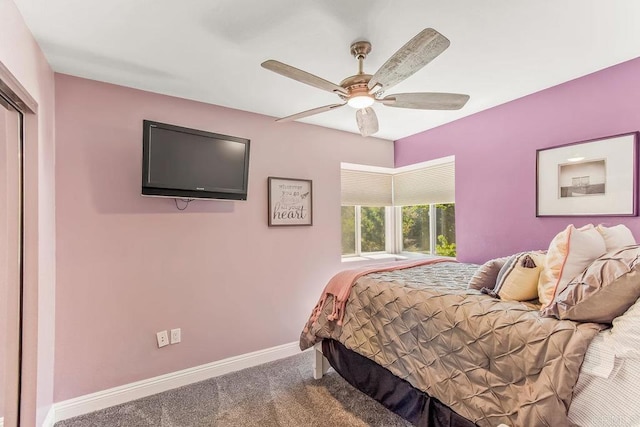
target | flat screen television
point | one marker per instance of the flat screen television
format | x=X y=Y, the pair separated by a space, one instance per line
x=187 y=163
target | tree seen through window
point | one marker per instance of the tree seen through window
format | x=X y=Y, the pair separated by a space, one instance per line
x=372 y=229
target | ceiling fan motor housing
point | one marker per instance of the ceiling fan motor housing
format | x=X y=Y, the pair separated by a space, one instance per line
x=356 y=85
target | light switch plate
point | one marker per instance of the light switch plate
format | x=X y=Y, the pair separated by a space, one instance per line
x=176 y=336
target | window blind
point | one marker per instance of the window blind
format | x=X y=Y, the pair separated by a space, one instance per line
x=366 y=188
x=432 y=184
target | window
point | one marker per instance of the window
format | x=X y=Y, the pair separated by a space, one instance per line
x=445 y=229
x=416 y=229
x=349 y=230
x=423 y=229
x=363 y=229
x=409 y=209
x=429 y=229
x=372 y=229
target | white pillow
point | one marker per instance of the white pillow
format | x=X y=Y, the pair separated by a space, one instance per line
x=624 y=336
x=616 y=237
x=570 y=252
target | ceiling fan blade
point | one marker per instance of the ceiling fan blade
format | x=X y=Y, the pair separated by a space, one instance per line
x=302 y=76
x=310 y=112
x=367 y=121
x=426 y=100
x=411 y=57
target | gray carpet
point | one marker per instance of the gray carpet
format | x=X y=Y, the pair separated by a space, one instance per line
x=281 y=393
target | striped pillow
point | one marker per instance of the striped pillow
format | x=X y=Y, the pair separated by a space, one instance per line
x=518 y=278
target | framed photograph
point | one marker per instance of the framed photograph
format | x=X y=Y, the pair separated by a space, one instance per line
x=290 y=201
x=588 y=178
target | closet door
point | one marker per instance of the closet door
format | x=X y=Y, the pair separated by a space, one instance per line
x=10 y=262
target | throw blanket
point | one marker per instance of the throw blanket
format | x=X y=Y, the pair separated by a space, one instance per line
x=339 y=287
x=489 y=360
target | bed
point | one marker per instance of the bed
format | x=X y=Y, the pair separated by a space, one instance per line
x=439 y=354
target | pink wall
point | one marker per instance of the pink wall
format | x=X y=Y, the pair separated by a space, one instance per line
x=496 y=157
x=23 y=58
x=129 y=266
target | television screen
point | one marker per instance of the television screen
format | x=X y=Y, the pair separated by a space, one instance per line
x=188 y=163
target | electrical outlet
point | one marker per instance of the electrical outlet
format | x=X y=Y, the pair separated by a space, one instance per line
x=163 y=338
x=175 y=336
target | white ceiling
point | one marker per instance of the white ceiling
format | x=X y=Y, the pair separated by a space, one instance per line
x=211 y=50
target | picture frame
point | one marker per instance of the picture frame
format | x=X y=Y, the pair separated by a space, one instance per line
x=290 y=201
x=596 y=177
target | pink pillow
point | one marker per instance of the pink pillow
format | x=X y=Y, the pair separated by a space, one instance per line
x=570 y=252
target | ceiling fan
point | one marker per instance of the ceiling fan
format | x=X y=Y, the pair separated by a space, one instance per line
x=362 y=90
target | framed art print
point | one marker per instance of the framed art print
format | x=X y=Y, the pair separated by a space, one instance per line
x=290 y=202
x=589 y=178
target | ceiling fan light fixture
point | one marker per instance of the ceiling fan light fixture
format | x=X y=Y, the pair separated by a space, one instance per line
x=360 y=101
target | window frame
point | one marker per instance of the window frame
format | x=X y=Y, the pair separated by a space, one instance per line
x=393 y=234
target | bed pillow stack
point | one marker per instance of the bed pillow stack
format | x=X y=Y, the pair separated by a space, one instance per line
x=588 y=274
x=513 y=278
x=592 y=274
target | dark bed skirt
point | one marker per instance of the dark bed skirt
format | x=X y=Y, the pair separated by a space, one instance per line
x=396 y=394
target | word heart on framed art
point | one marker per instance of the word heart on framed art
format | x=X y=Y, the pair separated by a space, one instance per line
x=290 y=201
x=589 y=178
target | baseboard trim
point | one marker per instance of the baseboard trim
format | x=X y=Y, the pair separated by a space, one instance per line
x=128 y=392
x=50 y=419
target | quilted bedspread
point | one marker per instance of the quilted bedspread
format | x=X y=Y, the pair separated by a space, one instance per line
x=491 y=361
